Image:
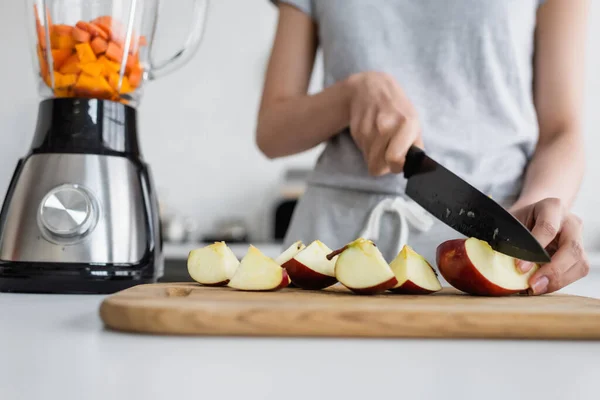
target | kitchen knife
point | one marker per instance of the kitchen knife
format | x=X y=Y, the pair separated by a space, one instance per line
x=468 y=211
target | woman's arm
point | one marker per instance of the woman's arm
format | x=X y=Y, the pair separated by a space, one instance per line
x=290 y=121
x=557 y=167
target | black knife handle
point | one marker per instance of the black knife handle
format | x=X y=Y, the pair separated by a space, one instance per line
x=414 y=158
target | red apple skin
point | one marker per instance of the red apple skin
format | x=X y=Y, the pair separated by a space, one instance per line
x=284 y=281
x=305 y=278
x=409 y=287
x=382 y=287
x=456 y=267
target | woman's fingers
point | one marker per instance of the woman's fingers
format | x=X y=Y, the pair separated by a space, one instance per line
x=568 y=264
x=548 y=215
x=362 y=127
x=406 y=135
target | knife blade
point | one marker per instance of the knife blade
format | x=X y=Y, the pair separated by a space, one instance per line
x=467 y=210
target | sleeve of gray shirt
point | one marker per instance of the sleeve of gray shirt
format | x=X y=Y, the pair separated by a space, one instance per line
x=305 y=6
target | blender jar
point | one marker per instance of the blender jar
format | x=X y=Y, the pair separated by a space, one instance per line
x=101 y=48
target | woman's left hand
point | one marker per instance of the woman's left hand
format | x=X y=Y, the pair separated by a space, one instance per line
x=560 y=232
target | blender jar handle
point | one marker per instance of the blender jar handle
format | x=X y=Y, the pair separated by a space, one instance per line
x=190 y=47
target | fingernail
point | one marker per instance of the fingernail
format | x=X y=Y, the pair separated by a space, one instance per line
x=540 y=285
x=524 y=266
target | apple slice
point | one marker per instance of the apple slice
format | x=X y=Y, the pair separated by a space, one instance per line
x=257 y=272
x=290 y=252
x=414 y=274
x=213 y=265
x=472 y=266
x=362 y=269
x=311 y=269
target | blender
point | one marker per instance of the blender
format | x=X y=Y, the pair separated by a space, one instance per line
x=81 y=213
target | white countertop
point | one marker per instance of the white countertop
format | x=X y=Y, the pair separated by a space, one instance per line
x=55 y=347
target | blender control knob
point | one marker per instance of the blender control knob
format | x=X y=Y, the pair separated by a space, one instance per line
x=68 y=211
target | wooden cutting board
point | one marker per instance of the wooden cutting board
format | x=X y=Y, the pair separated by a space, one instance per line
x=190 y=309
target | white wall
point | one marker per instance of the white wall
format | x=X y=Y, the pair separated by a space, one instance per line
x=197 y=124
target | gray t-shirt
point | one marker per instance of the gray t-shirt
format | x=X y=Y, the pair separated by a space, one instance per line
x=465 y=64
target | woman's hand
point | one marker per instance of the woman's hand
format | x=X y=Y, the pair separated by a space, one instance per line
x=560 y=232
x=383 y=122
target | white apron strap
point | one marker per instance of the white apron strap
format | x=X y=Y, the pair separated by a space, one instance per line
x=408 y=212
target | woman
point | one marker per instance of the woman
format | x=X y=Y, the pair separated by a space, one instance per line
x=490 y=89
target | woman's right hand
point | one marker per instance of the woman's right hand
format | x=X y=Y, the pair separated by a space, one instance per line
x=383 y=122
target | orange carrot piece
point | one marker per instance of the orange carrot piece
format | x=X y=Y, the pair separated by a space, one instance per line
x=71 y=65
x=142 y=41
x=67 y=92
x=41 y=33
x=64 y=81
x=81 y=36
x=62 y=41
x=44 y=69
x=85 y=53
x=109 y=66
x=135 y=77
x=93 y=69
x=62 y=29
x=92 y=86
x=92 y=29
x=114 y=52
x=99 y=45
x=59 y=56
x=113 y=80
x=132 y=62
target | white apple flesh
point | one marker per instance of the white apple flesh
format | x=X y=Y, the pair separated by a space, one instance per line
x=290 y=252
x=311 y=269
x=213 y=265
x=361 y=268
x=413 y=273
x=257 y=272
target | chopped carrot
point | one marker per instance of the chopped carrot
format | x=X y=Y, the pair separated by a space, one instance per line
x=81 y=36
x=62 y=41
x=67 y=92
x=64 y=81
x=44 y=69
x=93 y=69
x=93 y=86
x=132 y=62
x=59 y=56
x=85 y=53
x=92 y=29
x=114 y=52
x=41 y=33
x=109 y=66
x=135 y=77
x=99 y=45
x=113 y=80
x=143 y=41
x=62 y=29
x=71 y=65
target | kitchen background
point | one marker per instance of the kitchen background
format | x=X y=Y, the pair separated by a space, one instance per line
x=197 y=125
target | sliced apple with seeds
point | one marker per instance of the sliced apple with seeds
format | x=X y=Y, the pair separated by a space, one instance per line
x=311 y=269
x=213 y=265
x=361 y=268
x=257 y=272
x=472 y=266
x=413 y=273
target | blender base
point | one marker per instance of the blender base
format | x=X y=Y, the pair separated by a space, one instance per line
x=56 y=285
x=76 y=279
x=81 y=212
